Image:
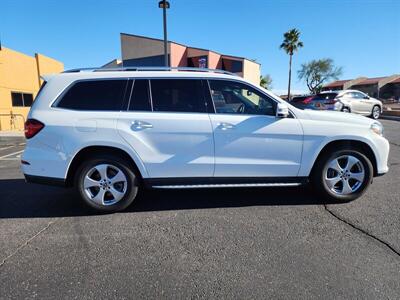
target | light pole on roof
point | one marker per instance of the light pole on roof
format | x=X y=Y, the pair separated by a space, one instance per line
x=165 y=5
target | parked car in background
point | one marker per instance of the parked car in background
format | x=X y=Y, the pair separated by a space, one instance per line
x=347 y=101
x=300 y=99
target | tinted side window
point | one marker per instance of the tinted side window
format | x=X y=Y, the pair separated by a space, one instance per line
x=95 y=95
x=177 y=95
x=358 y=95
x=140 y=99
x=232 y=97
x=325 y=96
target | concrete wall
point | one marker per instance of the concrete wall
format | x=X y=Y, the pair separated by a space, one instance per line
x=21 y=73
x=370 y=89
x=251 y=71
x=214 y=60
x=178 y=56
x=139 y=50
x=133 y=47
x=47 y=65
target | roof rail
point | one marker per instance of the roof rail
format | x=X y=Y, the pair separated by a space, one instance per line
x=150 y=69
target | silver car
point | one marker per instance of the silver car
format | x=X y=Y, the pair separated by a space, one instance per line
x=356 y=102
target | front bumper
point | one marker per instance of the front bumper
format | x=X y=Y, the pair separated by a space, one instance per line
x=382 y=149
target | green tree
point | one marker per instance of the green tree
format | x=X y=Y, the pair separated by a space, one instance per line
x=291 y=44
x=266 y=81
x=316 y=72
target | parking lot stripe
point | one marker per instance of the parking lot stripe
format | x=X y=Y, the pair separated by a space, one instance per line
x=5 y=148
x=11 y=154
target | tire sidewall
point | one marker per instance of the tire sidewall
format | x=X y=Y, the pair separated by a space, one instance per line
x=346 y=109
x=323 y=166
x=372 y=113
x=132 y=182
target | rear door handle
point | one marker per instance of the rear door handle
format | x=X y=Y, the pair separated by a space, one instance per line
x=226 y=126
x=139 y=125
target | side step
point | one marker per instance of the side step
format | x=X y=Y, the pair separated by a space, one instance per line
x=219 y=182
x=231 y=185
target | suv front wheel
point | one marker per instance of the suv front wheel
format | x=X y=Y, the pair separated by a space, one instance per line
x=376 y=112
x=106 y=183
x=342 y=175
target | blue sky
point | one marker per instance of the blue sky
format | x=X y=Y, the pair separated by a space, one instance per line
x=361 y=36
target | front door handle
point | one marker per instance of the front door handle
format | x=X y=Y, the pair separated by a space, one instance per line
x=139 y=125
x=226 y=126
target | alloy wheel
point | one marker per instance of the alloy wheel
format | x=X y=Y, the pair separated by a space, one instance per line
x=105 y=184
x=344 y=175
x=376 y=112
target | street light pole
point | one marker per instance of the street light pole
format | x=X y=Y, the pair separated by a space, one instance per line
x=165 y=5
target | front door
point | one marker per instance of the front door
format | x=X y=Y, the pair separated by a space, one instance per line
x=168 y=126
x=249 y=140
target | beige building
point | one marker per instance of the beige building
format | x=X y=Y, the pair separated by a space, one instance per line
x=19 y=83
x=387 y=87
x=144 y=51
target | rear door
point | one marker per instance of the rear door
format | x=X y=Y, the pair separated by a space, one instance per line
x=167 y=124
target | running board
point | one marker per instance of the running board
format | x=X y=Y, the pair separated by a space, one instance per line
x=223 y=182
x=231 y=185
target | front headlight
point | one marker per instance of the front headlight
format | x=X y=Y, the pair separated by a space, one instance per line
x=377 y=128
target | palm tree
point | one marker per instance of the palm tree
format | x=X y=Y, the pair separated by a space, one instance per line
x=291 y=44
x=266 y=81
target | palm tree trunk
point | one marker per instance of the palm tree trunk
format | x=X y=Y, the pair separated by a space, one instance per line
x=290 y=77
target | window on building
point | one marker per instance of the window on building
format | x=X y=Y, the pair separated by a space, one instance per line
x=177 y=95
x=97 y=95
x=198 y=61
x=28 y=99
x=236 y=98
x=21 y=99
x=140 y=99
x=234 y=66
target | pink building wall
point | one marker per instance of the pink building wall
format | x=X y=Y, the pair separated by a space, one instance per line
x=214 y=60
x=178 y=56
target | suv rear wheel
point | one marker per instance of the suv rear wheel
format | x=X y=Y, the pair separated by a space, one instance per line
x=106 y=183
x=342 y=175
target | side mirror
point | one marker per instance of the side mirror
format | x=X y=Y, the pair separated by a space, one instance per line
x=366 y=97
x=282 y=110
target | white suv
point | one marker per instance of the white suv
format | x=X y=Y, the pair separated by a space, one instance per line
x=110 y=133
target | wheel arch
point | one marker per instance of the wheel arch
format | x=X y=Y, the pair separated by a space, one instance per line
x=88 y=151
x=361 y=146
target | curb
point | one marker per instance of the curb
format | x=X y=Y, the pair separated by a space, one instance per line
x=392 y=118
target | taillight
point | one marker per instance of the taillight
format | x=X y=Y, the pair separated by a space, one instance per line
x=32 y=127
x=307 y=100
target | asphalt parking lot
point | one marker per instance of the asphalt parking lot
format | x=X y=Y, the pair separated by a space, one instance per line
x=231 y=243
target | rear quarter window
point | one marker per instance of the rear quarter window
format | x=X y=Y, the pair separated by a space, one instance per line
x=178 y=95
x=96 y=95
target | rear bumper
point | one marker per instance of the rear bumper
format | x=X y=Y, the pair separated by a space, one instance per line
x=45 y=180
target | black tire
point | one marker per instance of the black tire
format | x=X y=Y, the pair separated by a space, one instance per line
x=346 y=110
x=130 y=190
x=321 y=167
x=377 y=114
